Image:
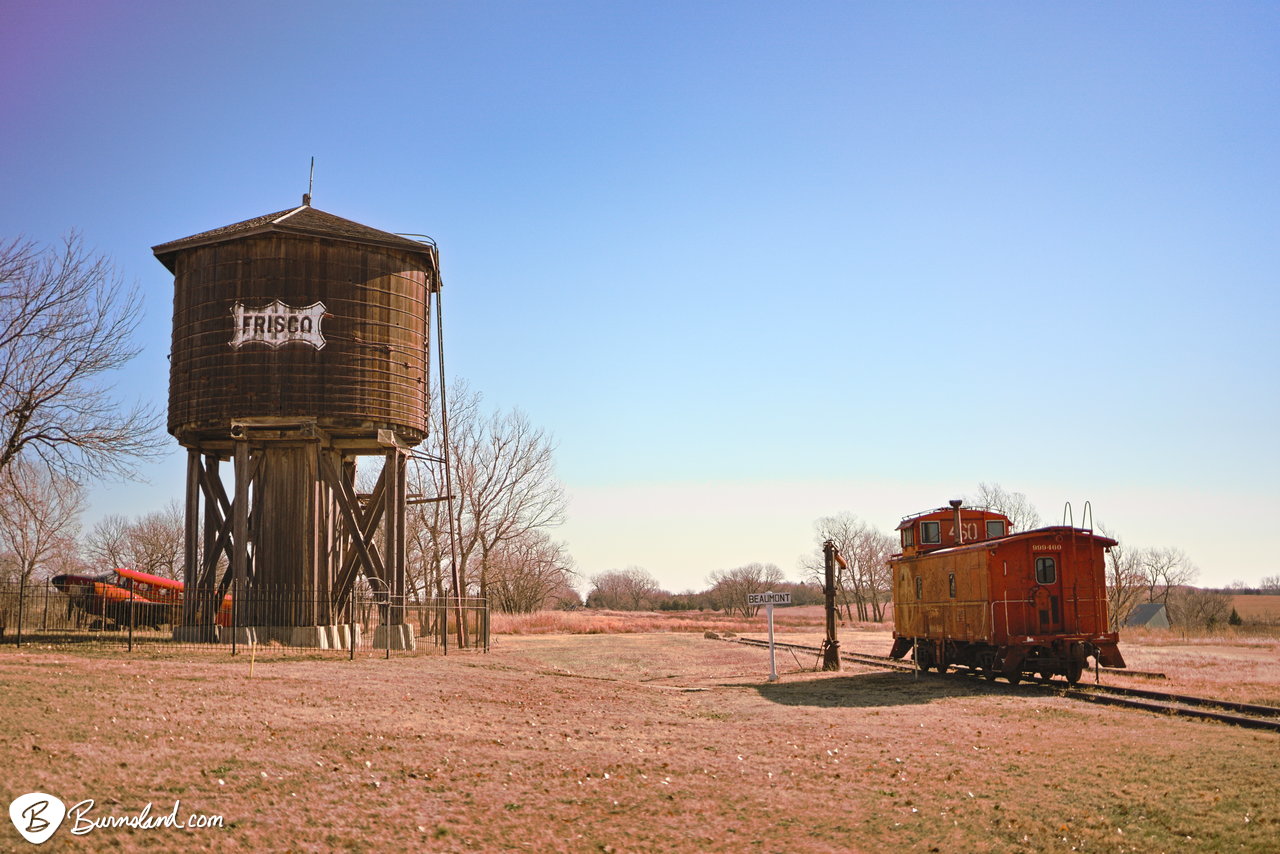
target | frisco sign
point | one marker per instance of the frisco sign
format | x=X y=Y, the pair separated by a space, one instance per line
x=277 y=324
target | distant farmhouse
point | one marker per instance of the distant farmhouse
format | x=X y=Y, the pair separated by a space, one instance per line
x=1151 y=615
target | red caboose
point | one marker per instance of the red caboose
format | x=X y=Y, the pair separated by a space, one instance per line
x=968 y=592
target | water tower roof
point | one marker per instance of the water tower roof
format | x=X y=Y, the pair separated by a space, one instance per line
x=303 y=220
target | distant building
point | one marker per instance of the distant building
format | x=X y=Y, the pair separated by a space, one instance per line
x=1151 y=615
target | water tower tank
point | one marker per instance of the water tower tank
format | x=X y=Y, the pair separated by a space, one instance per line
x=300 y=343
x=299 y=314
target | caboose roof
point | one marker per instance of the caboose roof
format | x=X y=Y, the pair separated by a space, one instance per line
x=1034 y=533
x=302 y=220
x=946 y=513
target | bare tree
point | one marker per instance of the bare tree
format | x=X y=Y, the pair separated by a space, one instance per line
x=1126 y=582
x=66 y=321
x=1189 y=606
x=1023 y=515
x=1270 y=583
x=525 y=573
x=506 y=477
x=730 y=587
x=150 y=543
x=39 y=516
x=630 y=589
x=565 y=597
x=504 y=487
x=426 y=549
x=866 y=583
x=106 y=546
x=1165 y=569
x=156 y=542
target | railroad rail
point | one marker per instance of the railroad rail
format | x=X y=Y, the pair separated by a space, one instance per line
x=1247 y=715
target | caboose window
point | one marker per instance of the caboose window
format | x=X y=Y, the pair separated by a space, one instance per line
x=951 y=584
x=919 y=587
x=908 y=538
x=930 y=533
x=1046 y=570
x=995 y=529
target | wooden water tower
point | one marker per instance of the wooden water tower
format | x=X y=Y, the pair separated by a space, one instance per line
x=300 y=342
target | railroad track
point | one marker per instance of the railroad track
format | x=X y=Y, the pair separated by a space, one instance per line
x=1180 y=705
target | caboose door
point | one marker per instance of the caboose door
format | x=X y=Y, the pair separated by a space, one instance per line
x=1047 y=594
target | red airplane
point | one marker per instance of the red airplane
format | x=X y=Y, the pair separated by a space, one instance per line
x=155 y=600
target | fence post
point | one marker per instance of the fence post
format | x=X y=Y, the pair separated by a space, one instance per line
x=44 y=618
x=22 y=594
x=386 y=627
x=130 y=615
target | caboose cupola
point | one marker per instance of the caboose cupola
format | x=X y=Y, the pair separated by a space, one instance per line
x=944 y=527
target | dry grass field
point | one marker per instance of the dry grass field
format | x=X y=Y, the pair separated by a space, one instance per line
x=637 y=622
x=659 y=741
x=1263 y=607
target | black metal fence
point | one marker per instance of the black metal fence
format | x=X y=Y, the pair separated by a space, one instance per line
x=367 y=622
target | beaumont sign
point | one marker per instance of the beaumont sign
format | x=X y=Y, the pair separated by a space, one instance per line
x=277 y=324
x=768 y=600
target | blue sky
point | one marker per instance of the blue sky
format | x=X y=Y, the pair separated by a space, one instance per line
x=750 y=263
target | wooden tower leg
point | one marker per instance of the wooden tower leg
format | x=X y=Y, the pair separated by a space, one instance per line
x=191 y=539
x=239 y=540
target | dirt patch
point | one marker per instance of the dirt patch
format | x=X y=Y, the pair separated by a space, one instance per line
x=666 y=742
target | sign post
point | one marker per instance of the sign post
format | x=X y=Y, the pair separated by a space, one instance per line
x=768 y=600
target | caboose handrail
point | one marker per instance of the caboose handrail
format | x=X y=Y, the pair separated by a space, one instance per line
x=1086 y=517
x=1068 y=518
x=1005 y=603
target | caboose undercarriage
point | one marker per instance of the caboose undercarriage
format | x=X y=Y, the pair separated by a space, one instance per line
x=1058 y=655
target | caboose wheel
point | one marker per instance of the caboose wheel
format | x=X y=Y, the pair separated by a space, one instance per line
x=1074 y=669
x=924 y=655
x=1014 y=678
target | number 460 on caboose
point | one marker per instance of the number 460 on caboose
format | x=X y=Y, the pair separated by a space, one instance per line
x=967 y=591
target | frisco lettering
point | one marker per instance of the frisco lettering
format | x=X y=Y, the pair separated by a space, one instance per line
x=259 y=325
x=277 y=324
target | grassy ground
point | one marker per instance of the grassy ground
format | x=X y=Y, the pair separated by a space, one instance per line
x=631 y=622
x=609 y=742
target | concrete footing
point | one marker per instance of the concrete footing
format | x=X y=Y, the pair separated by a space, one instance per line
x=195 y=634
x=309 y=637
x=395 y=636
x=341 y=636
x=244 y=635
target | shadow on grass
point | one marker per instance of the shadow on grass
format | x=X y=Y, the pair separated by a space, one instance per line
x=866 y=690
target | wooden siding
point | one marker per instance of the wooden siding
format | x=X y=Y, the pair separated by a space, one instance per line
x=936 y=613
x=372 y=372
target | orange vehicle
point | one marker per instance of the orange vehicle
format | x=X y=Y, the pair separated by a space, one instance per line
x=153 y=600
x=967 y=591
